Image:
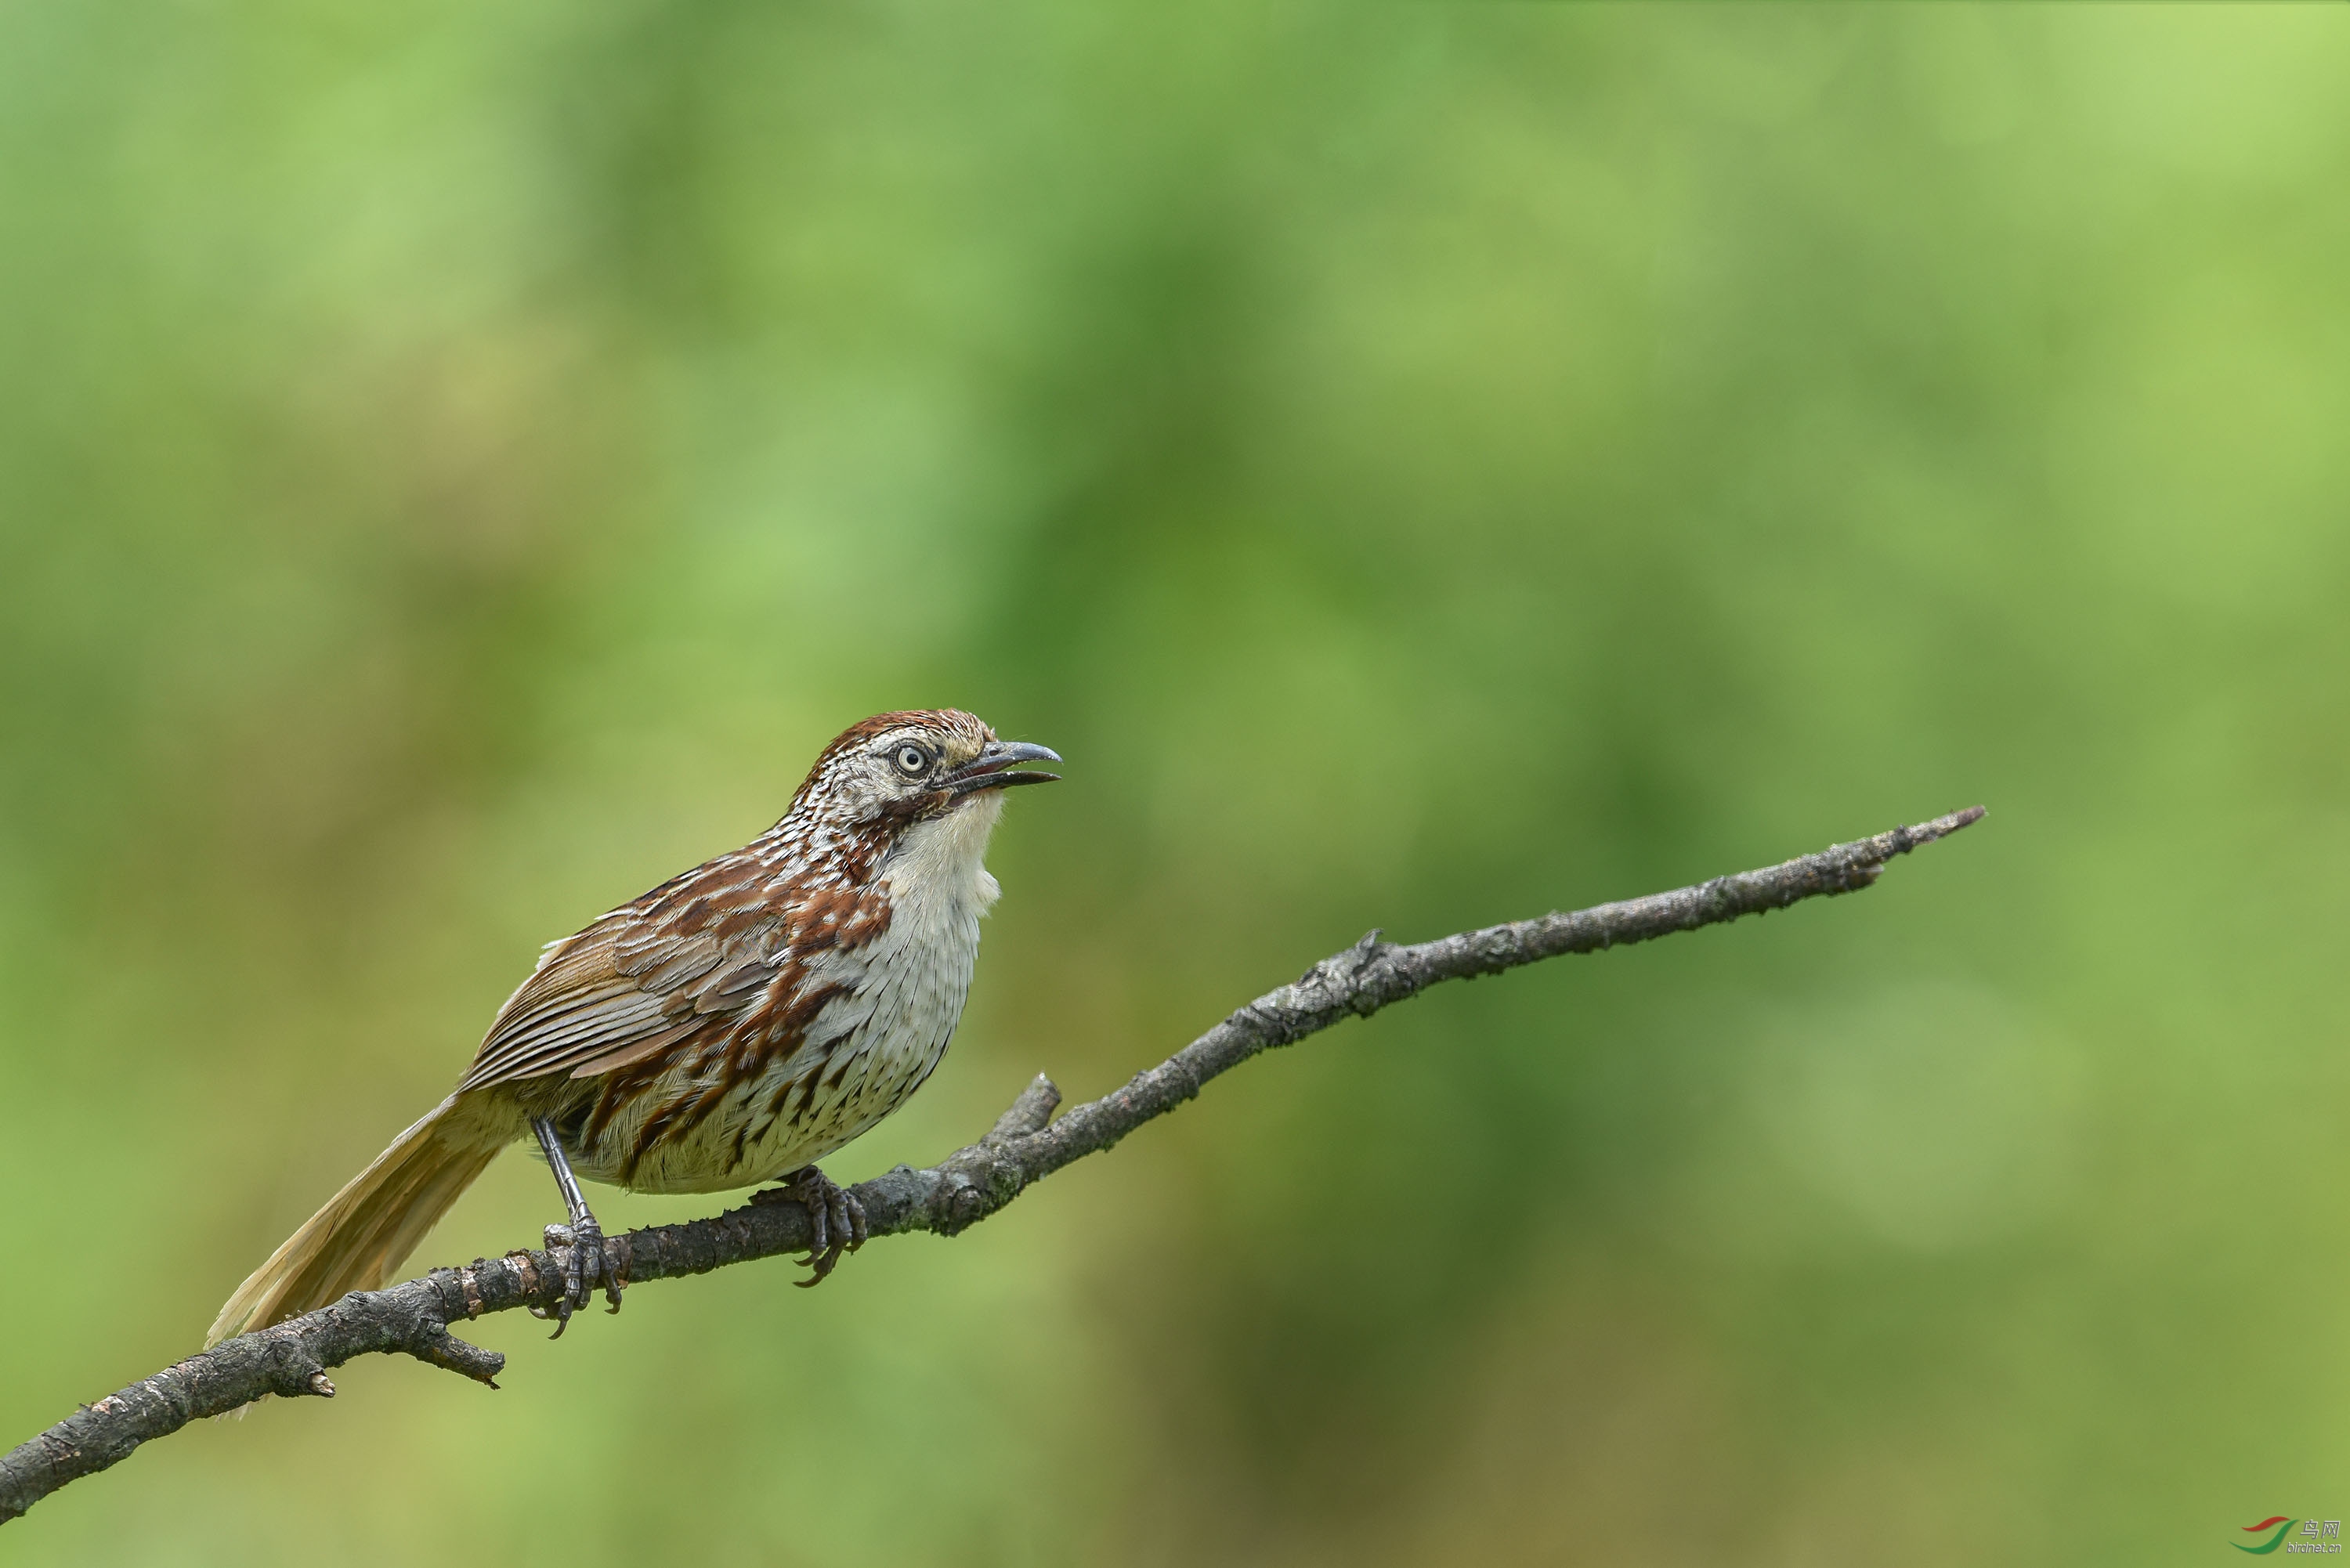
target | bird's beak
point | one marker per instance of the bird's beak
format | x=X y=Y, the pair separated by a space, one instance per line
x=992 y=768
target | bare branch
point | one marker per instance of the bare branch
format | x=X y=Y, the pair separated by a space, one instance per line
x=1026 y=1144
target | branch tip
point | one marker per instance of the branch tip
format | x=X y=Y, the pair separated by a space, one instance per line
x=1942 y=826
x=438 y=1347
x=1031 y=1113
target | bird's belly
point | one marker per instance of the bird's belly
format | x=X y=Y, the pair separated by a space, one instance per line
x=788 y=1113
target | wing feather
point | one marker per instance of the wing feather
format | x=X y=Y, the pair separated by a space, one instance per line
x=696 y=952
x=583 y=1011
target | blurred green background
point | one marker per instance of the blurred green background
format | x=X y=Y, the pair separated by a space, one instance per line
x=1423 y=465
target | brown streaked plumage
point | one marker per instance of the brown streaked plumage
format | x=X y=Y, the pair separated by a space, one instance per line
x=734 y=1025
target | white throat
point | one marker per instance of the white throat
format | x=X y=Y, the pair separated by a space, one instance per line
x=938 y=866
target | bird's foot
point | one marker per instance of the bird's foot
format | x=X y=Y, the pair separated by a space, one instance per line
x=836 y=1219
x=589 y=1265
x=589 y=1261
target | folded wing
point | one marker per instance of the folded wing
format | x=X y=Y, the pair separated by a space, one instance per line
x=627 y=986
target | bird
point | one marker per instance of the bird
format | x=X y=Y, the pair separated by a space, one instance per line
x=732 y=1026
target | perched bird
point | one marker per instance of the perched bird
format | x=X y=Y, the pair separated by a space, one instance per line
x=735 y=1024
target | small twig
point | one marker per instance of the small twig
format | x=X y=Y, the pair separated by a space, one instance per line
x=1025 y=1146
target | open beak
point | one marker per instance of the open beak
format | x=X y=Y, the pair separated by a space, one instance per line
x=992 y=769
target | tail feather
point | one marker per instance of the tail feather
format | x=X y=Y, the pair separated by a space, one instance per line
x=366 y=1232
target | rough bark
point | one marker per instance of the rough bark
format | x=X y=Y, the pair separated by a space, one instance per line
x=1027 y=1144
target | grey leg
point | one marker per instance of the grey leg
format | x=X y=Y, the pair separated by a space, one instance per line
x=589 y=1265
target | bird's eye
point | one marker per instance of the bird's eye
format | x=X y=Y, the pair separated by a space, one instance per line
x=912 y=761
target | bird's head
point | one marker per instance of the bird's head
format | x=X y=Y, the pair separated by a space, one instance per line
x=895 y=769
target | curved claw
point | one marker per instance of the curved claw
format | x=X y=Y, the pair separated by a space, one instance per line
x=587 y=1265
x=836 y=1222
x=591 y=1265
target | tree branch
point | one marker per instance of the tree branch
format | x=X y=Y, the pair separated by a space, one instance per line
x=1026 y=1144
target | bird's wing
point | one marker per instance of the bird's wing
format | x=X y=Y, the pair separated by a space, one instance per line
x=627 y=985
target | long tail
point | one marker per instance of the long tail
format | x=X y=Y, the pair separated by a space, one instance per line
x=368 y=1229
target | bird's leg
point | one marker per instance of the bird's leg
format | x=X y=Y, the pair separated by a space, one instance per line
x=588 y=1264
x=836 y=1219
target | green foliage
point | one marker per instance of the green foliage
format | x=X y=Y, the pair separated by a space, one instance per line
x=1423 y=466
